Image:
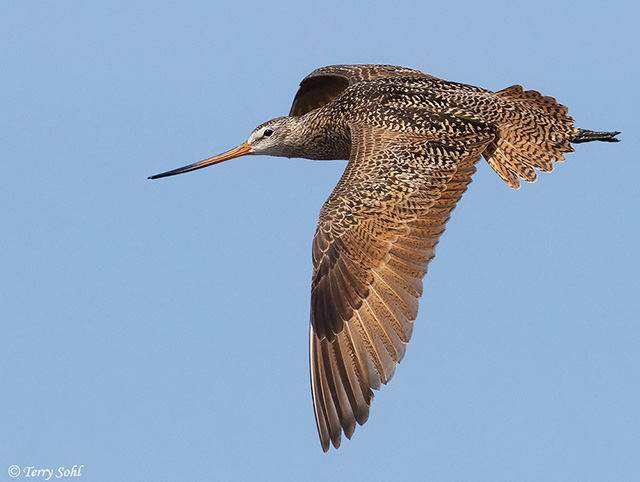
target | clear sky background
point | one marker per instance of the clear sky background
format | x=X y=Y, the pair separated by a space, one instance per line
x=157 y=330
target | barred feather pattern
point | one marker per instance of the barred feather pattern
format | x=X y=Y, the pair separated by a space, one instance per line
x=413 y=142
x=375 y=238
x=534 y=132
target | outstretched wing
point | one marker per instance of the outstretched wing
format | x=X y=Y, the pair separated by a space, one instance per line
x=324 y=84
x=376 y=234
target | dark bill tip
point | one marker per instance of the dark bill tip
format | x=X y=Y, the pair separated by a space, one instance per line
x=241 y=150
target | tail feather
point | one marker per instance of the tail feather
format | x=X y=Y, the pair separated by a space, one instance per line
x=585 y=135
x=534 y=131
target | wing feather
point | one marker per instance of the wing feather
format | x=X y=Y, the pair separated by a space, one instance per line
x=370 y=252
x=324 y=84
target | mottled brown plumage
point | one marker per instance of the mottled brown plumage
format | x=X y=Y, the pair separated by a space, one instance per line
x=412 y=141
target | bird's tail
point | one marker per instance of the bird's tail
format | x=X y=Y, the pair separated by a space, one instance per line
x=534 y=131
x=585 y=135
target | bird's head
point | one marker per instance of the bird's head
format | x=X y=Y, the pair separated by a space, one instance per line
x=272 y=138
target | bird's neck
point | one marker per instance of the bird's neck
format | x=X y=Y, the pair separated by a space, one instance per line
x=321 y=137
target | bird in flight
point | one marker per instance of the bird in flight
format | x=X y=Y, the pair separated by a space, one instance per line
x=412 y=141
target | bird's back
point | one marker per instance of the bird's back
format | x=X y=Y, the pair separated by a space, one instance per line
x=531 y=131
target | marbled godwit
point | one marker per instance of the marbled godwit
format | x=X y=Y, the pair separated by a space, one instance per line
x=412 y=141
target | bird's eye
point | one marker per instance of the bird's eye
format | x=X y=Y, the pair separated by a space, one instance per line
x=267 y=132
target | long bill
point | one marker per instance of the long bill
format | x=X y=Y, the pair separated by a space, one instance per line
x=241 y=150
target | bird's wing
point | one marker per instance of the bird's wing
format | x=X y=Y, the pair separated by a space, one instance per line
x=376 y=234
x=324 y=84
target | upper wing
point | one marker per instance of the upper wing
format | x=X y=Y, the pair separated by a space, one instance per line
x=324 y=84
x=377 y=232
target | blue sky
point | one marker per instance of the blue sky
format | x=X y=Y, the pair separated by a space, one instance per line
x=157 y=330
